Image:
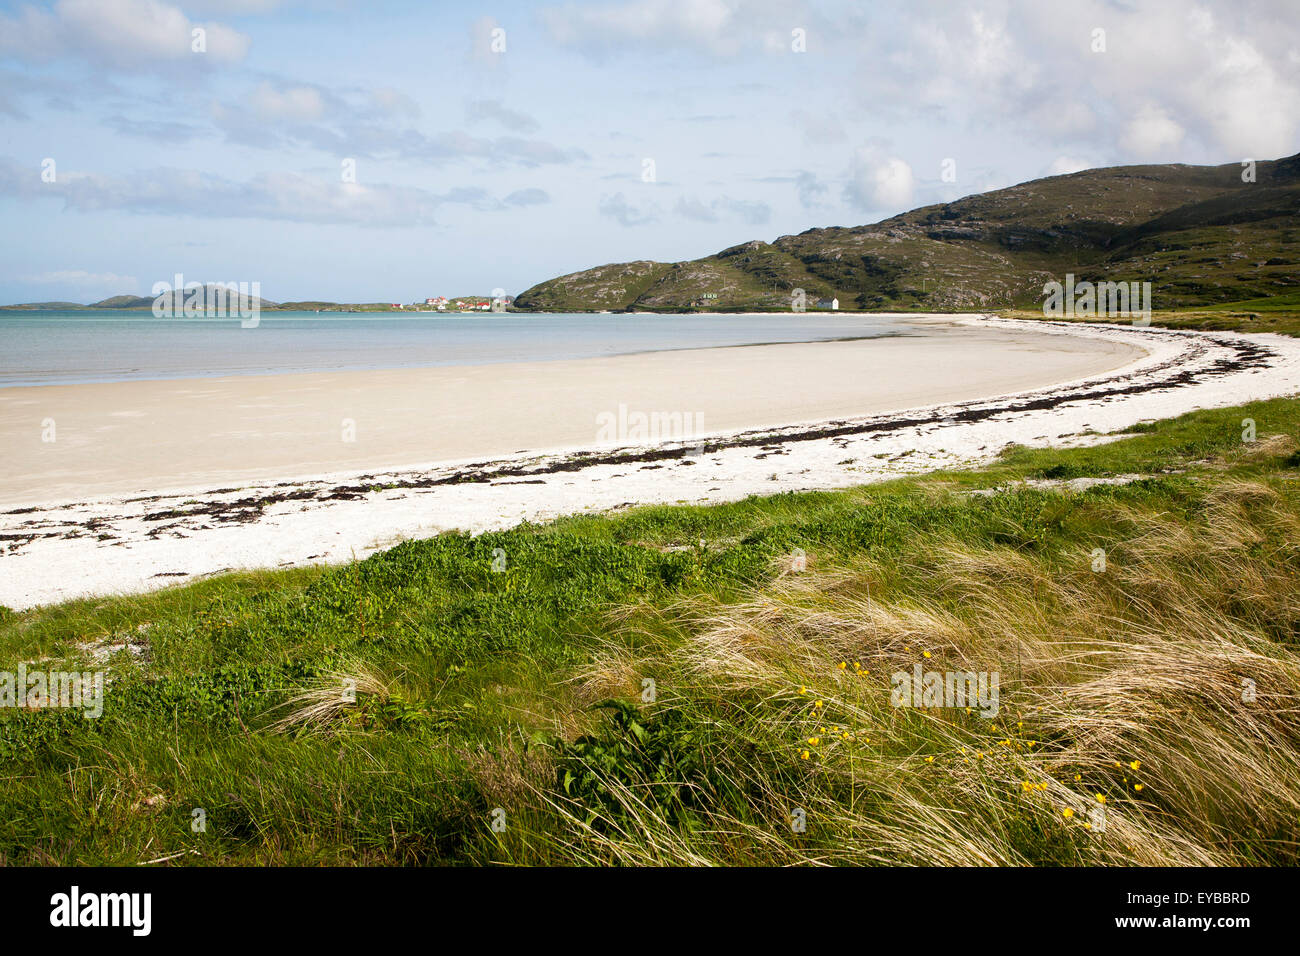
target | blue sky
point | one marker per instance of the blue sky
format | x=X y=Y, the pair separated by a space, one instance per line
x=498 y=144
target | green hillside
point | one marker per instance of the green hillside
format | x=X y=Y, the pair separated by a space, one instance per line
x=1199 y=234
x=61 y=306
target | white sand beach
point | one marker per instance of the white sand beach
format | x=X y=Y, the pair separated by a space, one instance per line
x=137 y=437
x=154 y=483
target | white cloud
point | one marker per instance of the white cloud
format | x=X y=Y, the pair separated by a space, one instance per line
x=79 y=277
x=1203 y=82
x=706 y=22
x=495 y=111
x=393 y=102
x=1152 y=133
x=299 y=104
x=286 y=196
x=279 y=114
x=820 y=128
x=717 y=27
x=233 y=7
x=1064 y=165
x=527 y=197
x=750 y=211
x=878 y=182
x=618 y=208
x=124 y=34
x=811 y=189
x=1247 y=101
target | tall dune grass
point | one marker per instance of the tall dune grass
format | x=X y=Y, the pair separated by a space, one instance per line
x=1166 y=685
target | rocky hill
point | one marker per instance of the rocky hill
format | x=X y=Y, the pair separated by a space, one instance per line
x=1199 y=234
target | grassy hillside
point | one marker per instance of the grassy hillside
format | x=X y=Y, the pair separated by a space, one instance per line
x=1282 y=319
x=1199 y=234
x=1145 y=631
x=61 y=306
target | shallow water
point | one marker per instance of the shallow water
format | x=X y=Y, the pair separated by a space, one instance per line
x=50 y=347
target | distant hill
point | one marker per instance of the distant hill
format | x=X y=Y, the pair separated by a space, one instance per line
x=61 y=306
x=132 y=302
x=1198 y=233
x=124 y=302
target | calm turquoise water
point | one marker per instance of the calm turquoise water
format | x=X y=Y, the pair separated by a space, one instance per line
x=46 y=348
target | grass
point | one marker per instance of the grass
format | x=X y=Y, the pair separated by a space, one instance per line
x=687 y=685
x=1287 y=302
x=1283 y=318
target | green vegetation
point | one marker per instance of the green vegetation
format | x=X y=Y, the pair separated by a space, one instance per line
x=1199 y=234
x=1289 y=302
x=385 y=710
x=1281 y=320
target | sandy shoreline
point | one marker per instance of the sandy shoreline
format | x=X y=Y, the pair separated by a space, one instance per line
x=136 y=437
x=845 y=422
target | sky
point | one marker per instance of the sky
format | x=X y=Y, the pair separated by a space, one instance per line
x=389 y=151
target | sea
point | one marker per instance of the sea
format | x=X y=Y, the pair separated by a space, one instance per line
x=52 y=347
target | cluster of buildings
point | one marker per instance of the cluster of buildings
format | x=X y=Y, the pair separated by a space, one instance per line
x=441 y=303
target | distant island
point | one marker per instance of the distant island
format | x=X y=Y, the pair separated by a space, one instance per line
x=465 y=303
